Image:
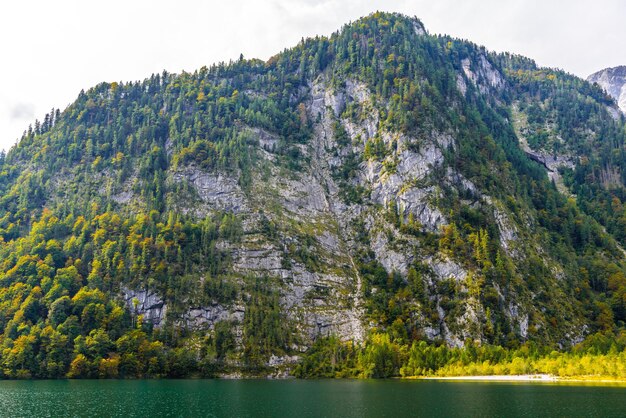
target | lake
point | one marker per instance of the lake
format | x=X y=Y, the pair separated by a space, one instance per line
x=302 y=398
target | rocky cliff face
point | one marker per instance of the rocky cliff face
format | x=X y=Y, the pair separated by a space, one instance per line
x=613 y=80
x=311 y=213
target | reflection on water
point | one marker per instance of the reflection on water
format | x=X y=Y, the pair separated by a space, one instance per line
x=314 y=398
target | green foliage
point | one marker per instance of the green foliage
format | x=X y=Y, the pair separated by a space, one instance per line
x=599 y=356
x=329 y=357
x=380 y=358
x=265 y=329
x=60 y=314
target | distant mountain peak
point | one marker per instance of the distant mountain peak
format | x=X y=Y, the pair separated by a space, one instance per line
x=613 y=80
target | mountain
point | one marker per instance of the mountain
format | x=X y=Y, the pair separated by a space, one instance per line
x=613 y=80
x=367 y=190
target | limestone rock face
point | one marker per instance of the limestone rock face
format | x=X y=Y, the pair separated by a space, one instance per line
x=216 y=191
x=145 y=303
x=482 y=74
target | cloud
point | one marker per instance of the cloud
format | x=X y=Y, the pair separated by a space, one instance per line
x=22 y=111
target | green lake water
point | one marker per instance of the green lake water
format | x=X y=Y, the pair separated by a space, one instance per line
x=314 y=398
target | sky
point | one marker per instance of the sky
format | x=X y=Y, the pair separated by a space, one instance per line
x=50 y=50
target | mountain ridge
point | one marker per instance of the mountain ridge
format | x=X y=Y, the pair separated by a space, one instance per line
x=380 y=180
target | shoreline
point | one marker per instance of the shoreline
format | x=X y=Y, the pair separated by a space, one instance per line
x=525 y=378
x=501 y=378
x=528 y=378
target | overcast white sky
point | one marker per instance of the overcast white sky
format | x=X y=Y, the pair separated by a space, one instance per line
x=50 y=50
